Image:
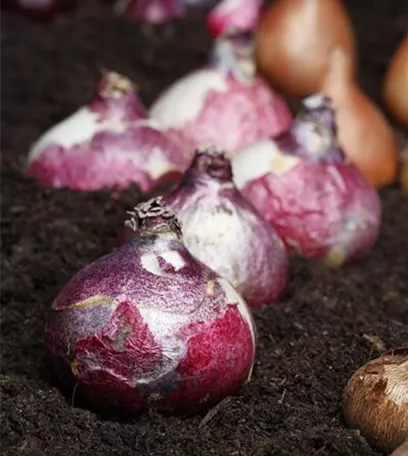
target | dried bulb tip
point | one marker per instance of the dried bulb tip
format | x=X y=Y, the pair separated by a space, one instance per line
x=117 y=84
x=211 y=150
x=151 y=209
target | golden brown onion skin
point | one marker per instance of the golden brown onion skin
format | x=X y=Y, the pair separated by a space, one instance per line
x=363 y=131
x=376 y=400
x=404 y=170
x=396 y=84
x=401 y=450
x=294 y=39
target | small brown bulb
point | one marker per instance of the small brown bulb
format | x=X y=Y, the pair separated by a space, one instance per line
x=395 y=90
x=376 y=400
x=401 y=450
x=294 y=39
x=404 y=169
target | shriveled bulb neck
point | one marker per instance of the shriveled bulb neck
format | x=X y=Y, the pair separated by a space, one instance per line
x=233 y=54
x=115 y=95
x=315 y=130
x=210 y=164
x=153 y=218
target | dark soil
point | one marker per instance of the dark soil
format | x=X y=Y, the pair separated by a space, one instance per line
x=309 y=345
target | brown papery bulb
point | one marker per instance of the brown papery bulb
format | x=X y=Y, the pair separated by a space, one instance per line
x=401 y=450
x=376 y=400
x=363 y=131
x=396 y=83
x=404 y=169
x=294 y=39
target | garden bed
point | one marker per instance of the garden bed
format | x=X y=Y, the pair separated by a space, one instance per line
x=329 y=323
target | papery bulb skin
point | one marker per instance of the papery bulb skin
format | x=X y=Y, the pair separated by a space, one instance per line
x=109 y=143
x=294 y=39
x=404 y=169
x=150 y=325
x=151 y=11
x=395 y=90
x=234 y=14
x=225 y=232
x=375 y=401
x=225 y=103
x=363 y=131
x=305 y=187
x=42 y=10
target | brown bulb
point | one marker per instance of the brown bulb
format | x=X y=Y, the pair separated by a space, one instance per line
x=294 y=39
x=376 y=400
x=404 y=170
x=401 y=450
x=396 y=83
x=363 y=131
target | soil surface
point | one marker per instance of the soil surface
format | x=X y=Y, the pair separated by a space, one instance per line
x=329 y=323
